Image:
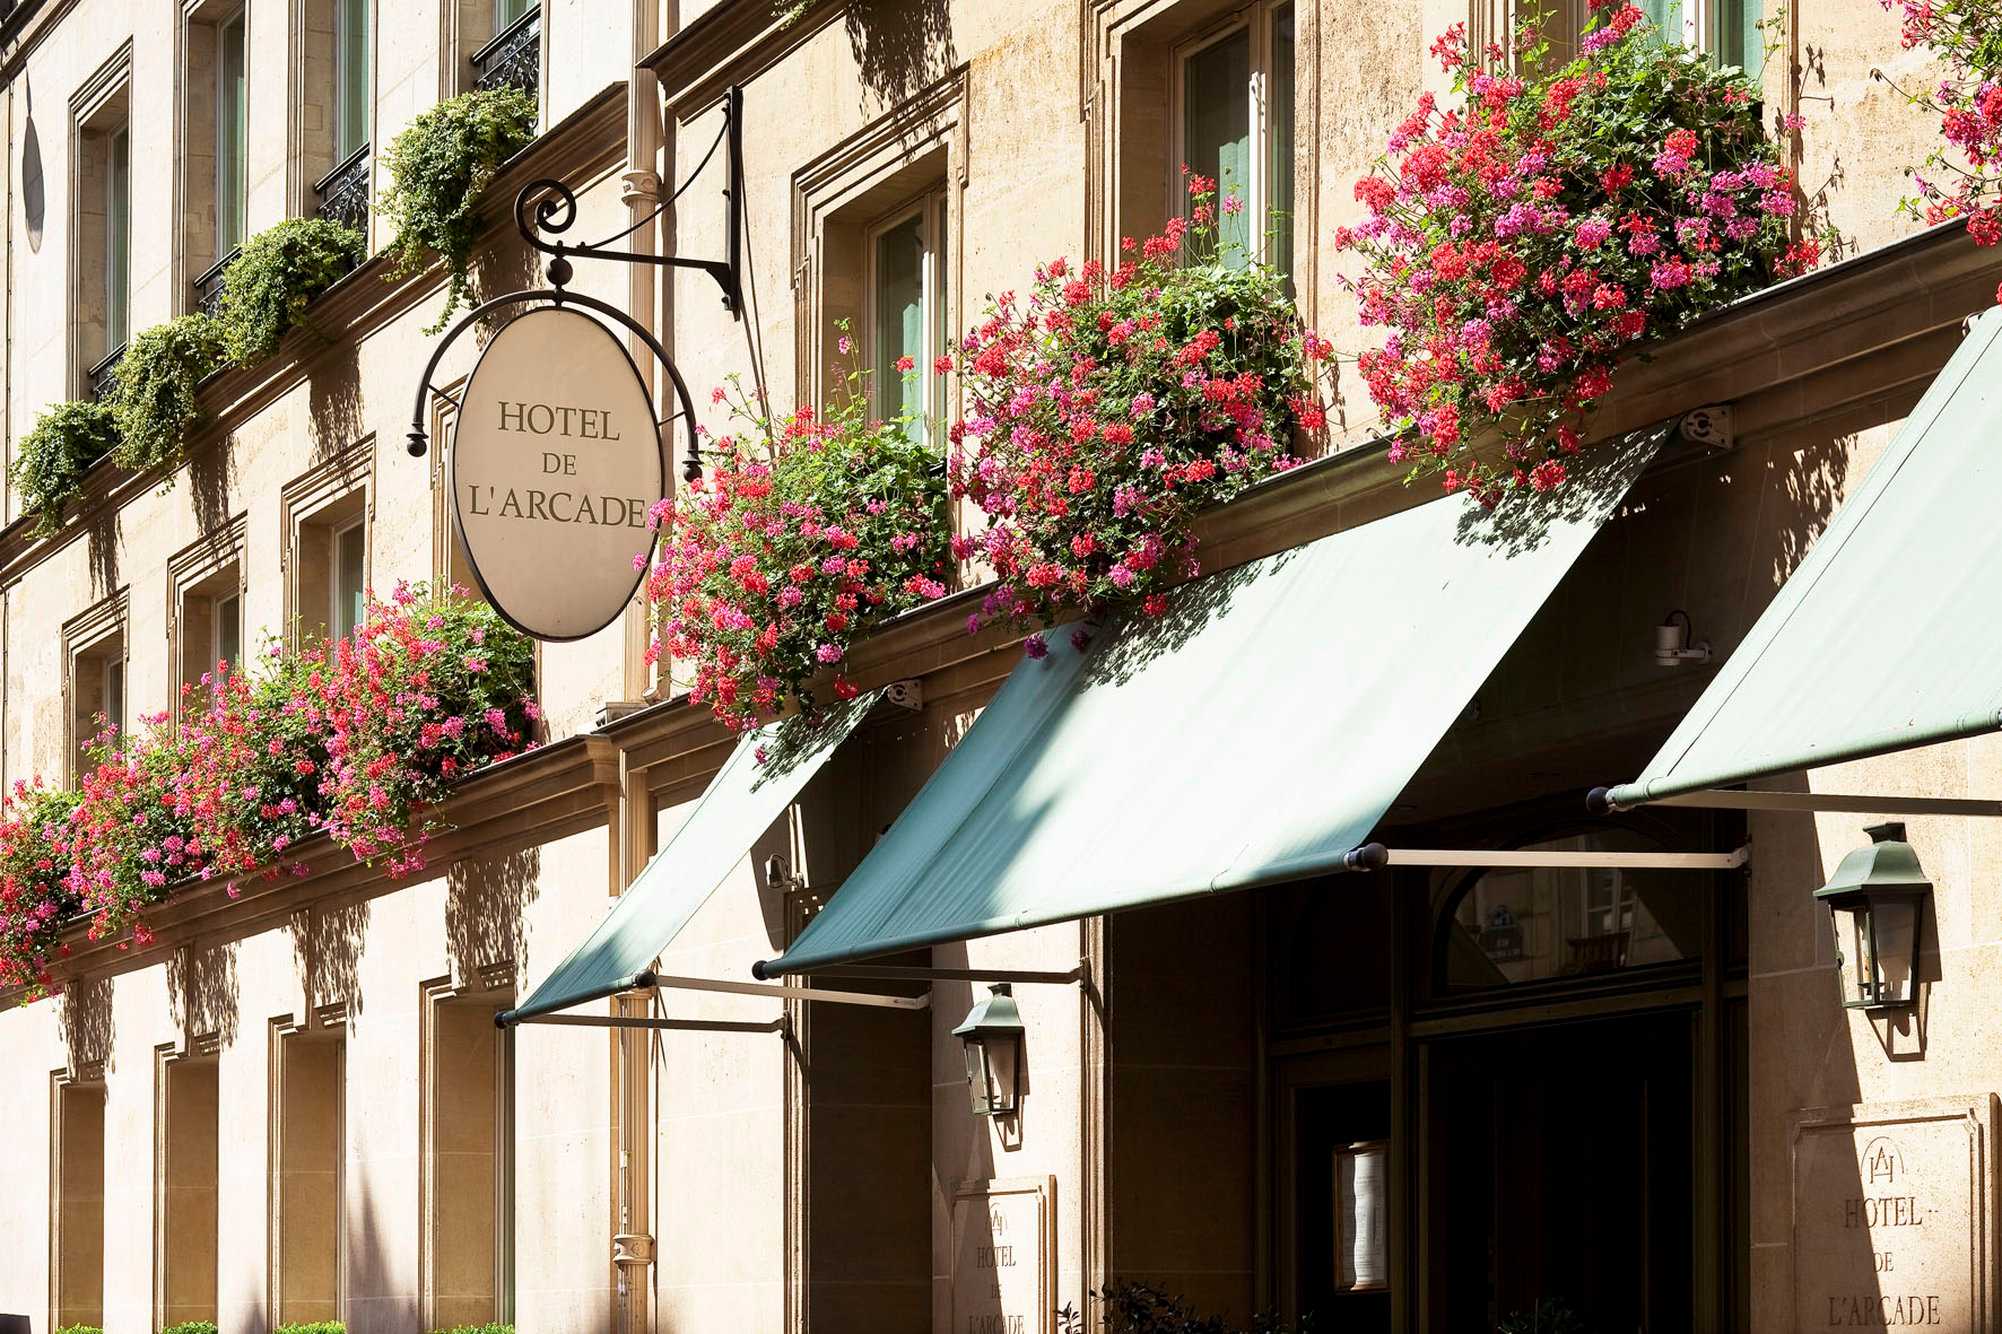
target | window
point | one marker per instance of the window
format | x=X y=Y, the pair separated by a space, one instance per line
x=907 y=314
x=1727 y=29
x=77 y=1240
x=189 y=1138
x=348 y=588
x=232 y=128
x=118 y=239
x=468 y=1127
x=205 y=610
x=1511 y=926
x=100 y=254
x=94 y=646
x=308 y=1146
x=1236 y=126
x=351 y=78
x=227 y=649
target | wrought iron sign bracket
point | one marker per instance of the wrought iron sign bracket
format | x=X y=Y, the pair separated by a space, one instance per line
x=548 y=205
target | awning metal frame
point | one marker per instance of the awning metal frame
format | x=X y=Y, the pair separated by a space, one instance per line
x=1600 y=802
x=1375 y=856
x=907 y=973
x=665 y=982
x=778 y=1025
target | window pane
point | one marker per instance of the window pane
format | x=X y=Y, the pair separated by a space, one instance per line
x=118 y=241
x=231 y=128
x=1739 y=41
x=1666 y=15
x=351 y=76
x=900 y=319
x=1279 y=153
x=348 y=587
x=228 y=630
x=1216 y=127
x=508 y=12
x=114 y=693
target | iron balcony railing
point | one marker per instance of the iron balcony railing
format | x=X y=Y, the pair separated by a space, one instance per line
x=343 y=191
x=208 y=285
x=513 y=59
x=103 y=377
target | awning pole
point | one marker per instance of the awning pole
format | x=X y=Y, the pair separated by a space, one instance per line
x=667 y=983
x=1859 y=803
x=903 y=973
x=777 y=1025
x=1371 y=856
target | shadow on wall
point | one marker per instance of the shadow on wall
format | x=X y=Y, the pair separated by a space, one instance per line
x=202 y=989
x=486 y=903
x=334 y=402
x=900 y=47
x=102 y=537
x=87 y=1023
x=209 y=472
x=508 y=267
x=1810 y=488
x=328 y=943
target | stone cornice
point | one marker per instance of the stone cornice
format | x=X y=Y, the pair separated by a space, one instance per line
x=583 y=147
x=564 y=788
x=729 y=43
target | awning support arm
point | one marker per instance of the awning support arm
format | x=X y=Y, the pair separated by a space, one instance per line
x=902 y=973
x=1726 y=799
x=668 y=983
x=777 y=1025
x=1373 y=856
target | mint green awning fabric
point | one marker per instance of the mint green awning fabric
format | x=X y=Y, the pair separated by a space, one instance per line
x=1256 y=733
x=738 y=806
x=1887 y=636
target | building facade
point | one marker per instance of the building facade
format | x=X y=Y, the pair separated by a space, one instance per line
x=1593 y=1086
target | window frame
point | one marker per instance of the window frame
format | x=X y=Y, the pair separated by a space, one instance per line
x=354 y=37
x=118 y=237
x=97 y=636
x=232 y=187
x=931 y=207
x=1258 y=19
x=338 y=535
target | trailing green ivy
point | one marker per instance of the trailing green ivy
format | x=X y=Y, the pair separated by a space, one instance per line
x=282 y=268
x=191 y=1327
x=437 y=168
x=51 y=460
x=155 y=402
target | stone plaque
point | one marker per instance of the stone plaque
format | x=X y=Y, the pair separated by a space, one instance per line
x=1004 y=1257
x=1892 y=1205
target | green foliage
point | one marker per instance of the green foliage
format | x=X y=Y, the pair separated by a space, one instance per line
x=266 y=289
x=313 y=1327
x=1549 y=1316
x=79 y=1329
x=496 y=1327
x=1135 y=1308
x=51 y=460
x=191 y=1327
x=154 y=401
x=437 y=168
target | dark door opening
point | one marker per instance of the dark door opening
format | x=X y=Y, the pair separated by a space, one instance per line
x=1560 y=1170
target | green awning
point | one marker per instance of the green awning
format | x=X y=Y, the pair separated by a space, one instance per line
x=1255 y=733
x=739 y=805
x=1887 y=636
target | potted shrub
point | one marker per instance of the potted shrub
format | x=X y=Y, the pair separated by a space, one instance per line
x=52 y=458
x=280 y=270
x=1521 y=243
x=1110 y=407
x=155 y=399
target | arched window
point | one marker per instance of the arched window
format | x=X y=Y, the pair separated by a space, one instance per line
x=1508 y=926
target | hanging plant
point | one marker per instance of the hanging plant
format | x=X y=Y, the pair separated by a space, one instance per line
x=356 y=741
x=1519 y=245
x=1962 y=178
x=268 y=286
x=438 y=167
x=52 y=459
x=1110 y=408
x=807 y=531
x=155 y=399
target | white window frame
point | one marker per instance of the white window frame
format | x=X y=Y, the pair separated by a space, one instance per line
x=117 y=240
x=934 y=227
x=350 y=84
x=1259 y=20
x=340 y=608
x=233 y=600
x=111 y=700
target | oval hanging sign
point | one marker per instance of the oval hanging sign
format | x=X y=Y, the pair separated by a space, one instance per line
x=556 y=461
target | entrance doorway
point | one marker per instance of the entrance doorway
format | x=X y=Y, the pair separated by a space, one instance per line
x=1558 y=1171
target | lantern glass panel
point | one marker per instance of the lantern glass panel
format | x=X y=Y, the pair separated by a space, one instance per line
x=977 y=1082
x=1894 y=927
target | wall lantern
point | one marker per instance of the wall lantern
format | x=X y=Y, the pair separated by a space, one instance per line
x=1874 y=903
x=993 y=1037
x=1675 y=642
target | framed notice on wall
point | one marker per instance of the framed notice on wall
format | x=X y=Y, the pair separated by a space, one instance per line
x=1004 y=1256
x=1362 y=1231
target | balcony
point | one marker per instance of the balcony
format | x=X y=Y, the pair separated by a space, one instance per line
x=513 y=59
x=208 y=286
x=102 y=378
x=343 y=192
